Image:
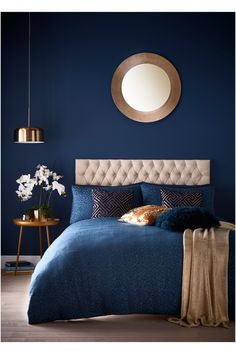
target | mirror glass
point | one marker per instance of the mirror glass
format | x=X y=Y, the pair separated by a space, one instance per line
x=146 y=87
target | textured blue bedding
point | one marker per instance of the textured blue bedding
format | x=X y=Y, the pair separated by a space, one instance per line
x=102 y=266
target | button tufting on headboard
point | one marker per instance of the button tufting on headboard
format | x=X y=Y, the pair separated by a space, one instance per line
x=123 y=172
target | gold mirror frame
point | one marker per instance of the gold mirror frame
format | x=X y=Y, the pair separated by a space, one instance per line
x=166 y=108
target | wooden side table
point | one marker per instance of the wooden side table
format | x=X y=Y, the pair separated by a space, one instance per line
x=35 y=223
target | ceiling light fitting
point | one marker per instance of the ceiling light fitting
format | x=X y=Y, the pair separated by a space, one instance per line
x=29 y=135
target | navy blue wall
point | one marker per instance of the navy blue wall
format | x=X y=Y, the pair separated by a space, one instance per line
x=73 y=58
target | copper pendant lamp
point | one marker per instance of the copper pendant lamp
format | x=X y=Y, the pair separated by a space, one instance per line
x=29 y=134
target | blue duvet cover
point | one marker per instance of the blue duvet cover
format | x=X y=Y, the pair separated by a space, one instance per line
x=100 y=267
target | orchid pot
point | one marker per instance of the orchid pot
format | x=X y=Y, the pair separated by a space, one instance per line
x=42 y=213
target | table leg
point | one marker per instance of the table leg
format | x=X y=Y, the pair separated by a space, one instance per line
x=40 y=242
x=18 y=249
x=48 y=238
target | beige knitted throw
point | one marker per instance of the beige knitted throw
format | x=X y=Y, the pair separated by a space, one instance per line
x=205 y=278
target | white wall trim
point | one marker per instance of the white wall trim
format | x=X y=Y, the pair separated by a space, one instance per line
x=32 y=259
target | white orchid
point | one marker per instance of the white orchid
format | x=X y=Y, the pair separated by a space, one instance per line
x=21 y=187
x=42 y=174
x=43 y=177
x=31 y=183
x=26 y=185
x=41 y=167
x=24 y=193
x=59 y=187
x=56 y=177
x=23 y=179
x=24 y=198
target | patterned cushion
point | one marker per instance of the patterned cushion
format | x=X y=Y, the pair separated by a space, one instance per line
x=111 y=203
x=145 y=215
x=172 y=199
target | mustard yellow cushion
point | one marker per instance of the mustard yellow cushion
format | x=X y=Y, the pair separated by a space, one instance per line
x=144 y=215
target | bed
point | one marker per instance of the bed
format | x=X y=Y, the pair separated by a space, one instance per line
x=101 y=266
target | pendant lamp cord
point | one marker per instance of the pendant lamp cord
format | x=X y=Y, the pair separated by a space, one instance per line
x=29 y=75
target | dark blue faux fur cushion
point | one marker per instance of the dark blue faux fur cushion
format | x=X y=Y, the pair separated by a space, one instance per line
x=180 y=219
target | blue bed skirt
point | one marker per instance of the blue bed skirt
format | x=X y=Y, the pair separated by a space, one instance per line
x=99 y=267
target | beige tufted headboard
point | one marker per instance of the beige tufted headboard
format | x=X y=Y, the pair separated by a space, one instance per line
x=123 y=172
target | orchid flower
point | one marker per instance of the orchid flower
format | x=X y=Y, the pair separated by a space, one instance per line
x=59 y=187
x=45 y=179
x=56 y=177
x=23 y=179
x=24 y=194
x=31 y=183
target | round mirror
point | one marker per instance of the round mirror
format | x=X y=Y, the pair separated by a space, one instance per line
x=146 y=87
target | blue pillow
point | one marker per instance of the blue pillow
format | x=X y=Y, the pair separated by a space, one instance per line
x=152 y=195
x=180 y=219
x=82 y=204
